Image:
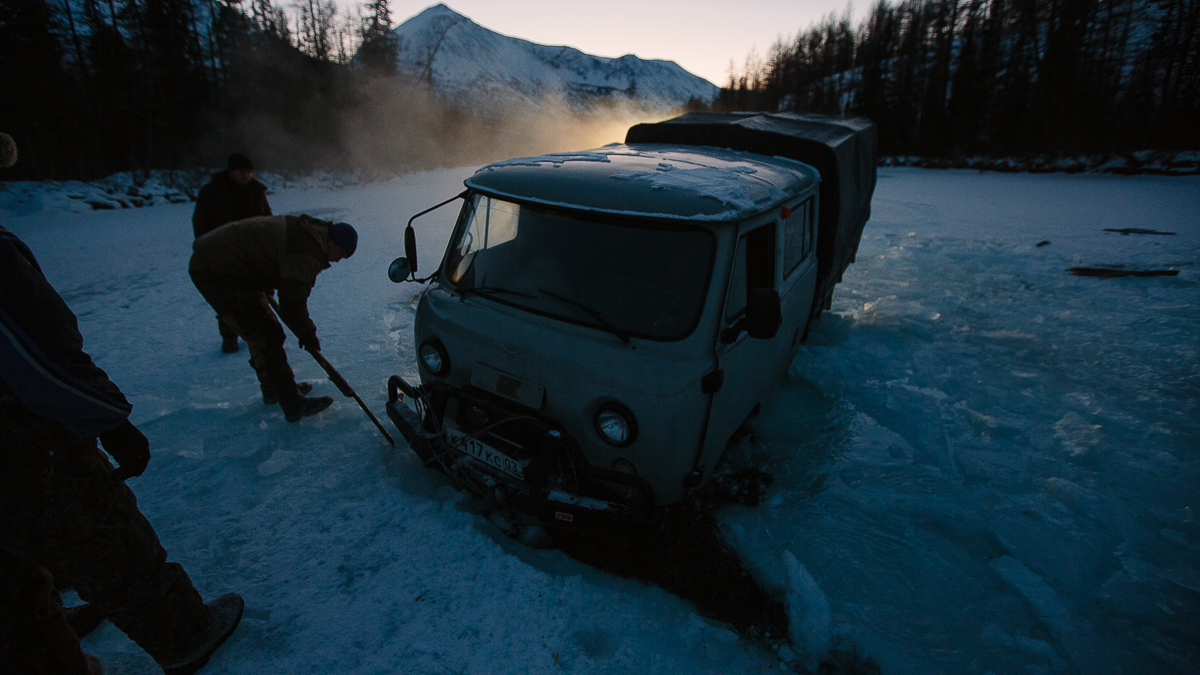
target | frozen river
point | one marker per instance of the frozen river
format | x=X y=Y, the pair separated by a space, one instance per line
x=981 y=463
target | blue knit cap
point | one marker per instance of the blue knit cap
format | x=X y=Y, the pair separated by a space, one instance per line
x=344 y=236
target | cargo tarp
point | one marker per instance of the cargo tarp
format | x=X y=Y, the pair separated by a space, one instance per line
x=842 y=149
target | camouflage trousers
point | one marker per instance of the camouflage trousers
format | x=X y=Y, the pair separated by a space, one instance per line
x=63 y=519
x=249 y=315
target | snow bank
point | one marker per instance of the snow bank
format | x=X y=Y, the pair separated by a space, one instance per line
x=129 y=190
x=1151 y=162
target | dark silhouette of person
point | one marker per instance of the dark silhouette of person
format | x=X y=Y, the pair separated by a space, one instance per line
x=66 y=515
x=229 y=195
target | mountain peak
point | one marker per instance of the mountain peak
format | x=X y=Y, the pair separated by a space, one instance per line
x=440 y=9
x=466 y=62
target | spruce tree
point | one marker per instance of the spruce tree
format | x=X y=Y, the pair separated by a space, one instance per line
x=378 y=50
x=36 y=107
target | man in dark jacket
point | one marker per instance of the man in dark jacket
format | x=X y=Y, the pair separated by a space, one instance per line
x=65 y=513
x=230 y=195
x=237 y=266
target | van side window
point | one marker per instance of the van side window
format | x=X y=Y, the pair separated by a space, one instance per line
x=797 y=237
x=753 y=267
x=491 y=222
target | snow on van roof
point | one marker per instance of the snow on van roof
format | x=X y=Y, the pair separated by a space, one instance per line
x=655 y=181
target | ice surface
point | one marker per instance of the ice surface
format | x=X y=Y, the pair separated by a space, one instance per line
x=808 y=608
x=988 y=464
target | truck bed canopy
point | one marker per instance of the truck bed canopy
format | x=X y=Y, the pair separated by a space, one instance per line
x=842 y=149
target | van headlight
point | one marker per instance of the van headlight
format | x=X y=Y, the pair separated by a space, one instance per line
x=616 y=425
x=433 y=356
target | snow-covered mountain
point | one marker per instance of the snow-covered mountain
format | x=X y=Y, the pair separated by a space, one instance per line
x=469 y=63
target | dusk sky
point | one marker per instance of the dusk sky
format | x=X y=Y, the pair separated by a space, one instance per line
x=700 y=35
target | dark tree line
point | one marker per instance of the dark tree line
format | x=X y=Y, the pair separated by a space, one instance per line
x=995 y=77
x=92 y=87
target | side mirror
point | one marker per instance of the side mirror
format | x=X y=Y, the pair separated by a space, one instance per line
x=399 y=270
x=764 y=313
x=410 y=248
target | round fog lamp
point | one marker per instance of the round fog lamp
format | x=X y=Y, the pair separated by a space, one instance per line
x=433 y=357
x=615 y=426
x=624 y=466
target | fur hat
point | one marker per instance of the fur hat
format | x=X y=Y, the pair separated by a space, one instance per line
x=8 y=151
x=239 y=161
x=344 y=236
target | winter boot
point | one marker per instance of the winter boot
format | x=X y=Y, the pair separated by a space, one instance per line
x=83 y=619
x=269 y=397
x=299 y=405
x=226 y=612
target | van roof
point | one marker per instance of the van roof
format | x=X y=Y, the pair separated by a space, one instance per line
x=650 y=181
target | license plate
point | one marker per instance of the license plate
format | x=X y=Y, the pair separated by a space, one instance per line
x=484 y=453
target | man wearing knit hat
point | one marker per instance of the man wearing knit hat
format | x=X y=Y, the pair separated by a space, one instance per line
x=236 y=266
x=230 y=195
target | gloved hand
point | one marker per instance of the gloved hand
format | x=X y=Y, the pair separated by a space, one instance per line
x=129 y=447
x=310 y=343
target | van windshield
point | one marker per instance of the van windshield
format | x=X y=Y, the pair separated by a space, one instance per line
x=638 y=280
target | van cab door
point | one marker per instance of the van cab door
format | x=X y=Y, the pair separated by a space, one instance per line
x=779 y=255
x=745 y=363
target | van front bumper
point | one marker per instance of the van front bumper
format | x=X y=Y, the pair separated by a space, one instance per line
x=556 y=483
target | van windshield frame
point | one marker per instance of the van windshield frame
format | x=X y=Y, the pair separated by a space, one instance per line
x=630 y=277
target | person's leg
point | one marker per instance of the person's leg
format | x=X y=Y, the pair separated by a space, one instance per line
x=264 y=336
x=35 y=638
x=229 y=337
x=249 y=315
x=64 y=513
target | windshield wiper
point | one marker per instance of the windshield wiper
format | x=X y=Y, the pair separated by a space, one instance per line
x=485 y=291
x=593 y=313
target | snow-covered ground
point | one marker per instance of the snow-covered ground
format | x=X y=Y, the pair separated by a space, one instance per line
x=982 y=463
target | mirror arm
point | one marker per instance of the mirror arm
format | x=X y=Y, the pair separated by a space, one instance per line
x=438 y=206
x=409 y=238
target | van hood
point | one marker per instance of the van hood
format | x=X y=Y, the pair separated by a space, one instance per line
x=557 y=355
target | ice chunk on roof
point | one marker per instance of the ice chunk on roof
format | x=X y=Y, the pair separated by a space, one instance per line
x=719 y=183
x=551 y=158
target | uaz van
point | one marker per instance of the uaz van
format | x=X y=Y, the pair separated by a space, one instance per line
x=603 y=321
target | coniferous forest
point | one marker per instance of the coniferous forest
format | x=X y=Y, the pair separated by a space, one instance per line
x=93 y=87
x=995 y=77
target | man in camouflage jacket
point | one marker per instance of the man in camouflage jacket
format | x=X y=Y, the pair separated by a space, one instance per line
x=237 y=266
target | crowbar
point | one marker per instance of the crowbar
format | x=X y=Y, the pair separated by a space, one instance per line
x=335 y=377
